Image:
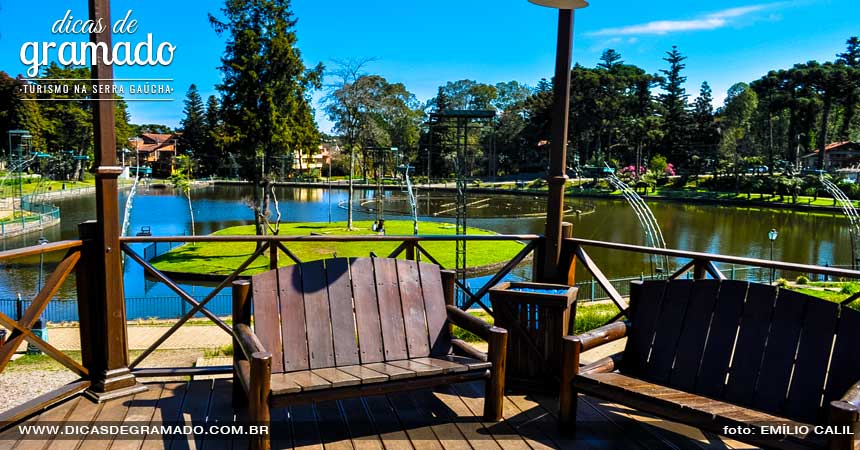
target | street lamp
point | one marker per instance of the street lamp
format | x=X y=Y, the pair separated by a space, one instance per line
x=772 y=235
x=557 y=177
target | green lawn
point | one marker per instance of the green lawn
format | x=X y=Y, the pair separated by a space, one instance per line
x=588 y=317
x=223 y=258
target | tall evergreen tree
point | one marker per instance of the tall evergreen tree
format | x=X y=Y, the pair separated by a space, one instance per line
x=610 y=59
x=674 y=107
x=265 y=91
x=193 y=125
x=850 y=59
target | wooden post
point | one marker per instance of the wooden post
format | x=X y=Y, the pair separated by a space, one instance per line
x=497 y=353
x=107 y=340
x=241 y=314
x=557 y=177
x=410 y=251
x=261 y=374
x=449 y=289
x=273 y=255
x=699 y=271
x=567 y=396
x=567 y=263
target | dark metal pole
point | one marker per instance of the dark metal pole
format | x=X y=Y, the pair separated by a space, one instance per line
x=557 y=177
x=107 y=320
x=772 y=269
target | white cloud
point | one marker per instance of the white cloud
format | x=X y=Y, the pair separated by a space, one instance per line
x=710 y=21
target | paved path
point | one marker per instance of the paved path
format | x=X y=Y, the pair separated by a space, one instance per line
x=141 y=337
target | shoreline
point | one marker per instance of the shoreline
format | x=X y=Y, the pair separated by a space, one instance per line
x=595 y=195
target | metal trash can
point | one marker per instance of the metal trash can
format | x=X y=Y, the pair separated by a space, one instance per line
x=40 y=329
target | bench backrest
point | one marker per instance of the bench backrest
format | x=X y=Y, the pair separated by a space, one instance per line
x=340 y=312
x=745 y=343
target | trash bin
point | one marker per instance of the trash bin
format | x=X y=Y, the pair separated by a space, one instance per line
x=537 y=316
x=40 y=329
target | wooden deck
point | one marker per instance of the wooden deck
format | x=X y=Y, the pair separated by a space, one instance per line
x=444 y=419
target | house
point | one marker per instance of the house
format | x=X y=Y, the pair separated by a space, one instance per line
x=157 y=151
x=305 y=163
x=838 y=155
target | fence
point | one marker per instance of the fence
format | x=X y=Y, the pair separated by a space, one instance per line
x=136 y=308
x=157 y=249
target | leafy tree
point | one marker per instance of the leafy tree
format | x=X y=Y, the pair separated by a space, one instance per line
x=265 y=91
x=181 y=178
x=740 y=106
x=673 y=102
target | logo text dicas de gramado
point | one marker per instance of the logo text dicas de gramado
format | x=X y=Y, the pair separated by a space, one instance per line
x=124 y=53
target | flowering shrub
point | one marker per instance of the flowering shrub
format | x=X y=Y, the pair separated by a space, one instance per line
x=633 y=170
x=670 y=170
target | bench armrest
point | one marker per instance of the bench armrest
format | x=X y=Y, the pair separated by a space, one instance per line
x=572 y=347
x=846 y=412
x=469 y=322
x=248 y=342
x=462 y=348
x=602 y=365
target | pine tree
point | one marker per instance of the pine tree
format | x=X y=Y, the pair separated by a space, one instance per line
x=674 y=107
x=211 y=155
x=851 y=59
x=610 y=59
x=265 y=91
x=193 y=126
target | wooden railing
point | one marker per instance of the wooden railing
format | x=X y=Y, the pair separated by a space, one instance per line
x=703 y=266
x=410 y=247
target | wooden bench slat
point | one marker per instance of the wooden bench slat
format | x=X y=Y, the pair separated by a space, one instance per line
x=752 y=336
x=365 y=374
x=694 y=331
x=444 y=364
x=318 y=315
x=293 y=329
x=844 y=365
x=434 y=308
x=393 y=372
x=267 y=324
x=337 y=377
x=671 y=317
x=340 y=301
x=421 y=370
x=415 y=322
x=813 y=355
x=718 y=348
x=648 y=296
x=780 y=351
x=366 y=311
x=390 y=309
x=306 y=379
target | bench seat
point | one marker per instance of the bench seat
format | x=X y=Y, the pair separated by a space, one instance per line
x=349 y=327
x=695 y=410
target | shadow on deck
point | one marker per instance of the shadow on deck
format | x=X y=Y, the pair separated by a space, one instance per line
x=441 y=419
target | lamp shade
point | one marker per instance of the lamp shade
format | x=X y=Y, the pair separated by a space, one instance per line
x=772 y=234
x=561 y=4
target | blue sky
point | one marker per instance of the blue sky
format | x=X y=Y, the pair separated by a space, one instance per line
x=425 y=43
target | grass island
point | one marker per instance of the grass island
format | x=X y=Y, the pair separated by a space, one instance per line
x=221 y=258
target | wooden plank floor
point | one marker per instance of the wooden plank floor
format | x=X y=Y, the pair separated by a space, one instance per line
x=447 y=418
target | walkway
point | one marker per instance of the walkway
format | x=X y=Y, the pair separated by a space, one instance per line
x=140 y=337
x=442 y=419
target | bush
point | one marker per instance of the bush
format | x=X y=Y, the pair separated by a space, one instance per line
x=782 y=282
x=850 y=289
x=801 y=280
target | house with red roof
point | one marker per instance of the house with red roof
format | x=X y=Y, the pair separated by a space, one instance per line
x=837 y=155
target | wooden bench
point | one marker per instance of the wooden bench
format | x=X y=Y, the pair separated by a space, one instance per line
x=715 y=354
x=342 y=328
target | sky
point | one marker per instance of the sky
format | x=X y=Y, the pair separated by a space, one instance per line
x=426 y=43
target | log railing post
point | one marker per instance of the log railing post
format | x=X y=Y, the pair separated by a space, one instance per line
x=273 y=255
x=410 y=251
x=241 y=314
x=700 y=270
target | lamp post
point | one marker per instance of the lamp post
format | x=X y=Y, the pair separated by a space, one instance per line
x=557 y=176
x=772 y=235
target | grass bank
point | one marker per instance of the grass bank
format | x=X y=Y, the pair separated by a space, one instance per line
x=222 y=258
